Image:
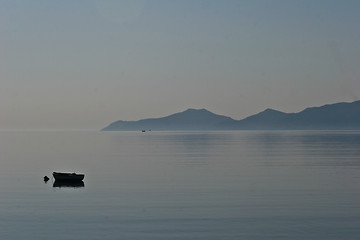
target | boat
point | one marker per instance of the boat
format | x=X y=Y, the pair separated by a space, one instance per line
x=68 y=184
x=60 y=176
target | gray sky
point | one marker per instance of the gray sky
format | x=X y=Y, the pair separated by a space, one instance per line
x=83 y=64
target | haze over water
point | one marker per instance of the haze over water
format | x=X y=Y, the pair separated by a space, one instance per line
x=181 y=185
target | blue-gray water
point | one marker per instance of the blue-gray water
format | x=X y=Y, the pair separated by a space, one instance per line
x=181 y=185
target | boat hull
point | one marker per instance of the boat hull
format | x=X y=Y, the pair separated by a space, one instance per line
x=68 y=184
x=68 y=176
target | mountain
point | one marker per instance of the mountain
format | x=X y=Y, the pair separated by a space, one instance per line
x=332 y=116
x=191 y=119
x=268 y=119
x=340 y=116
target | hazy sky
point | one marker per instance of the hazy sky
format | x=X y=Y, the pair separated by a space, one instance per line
x=85 y=63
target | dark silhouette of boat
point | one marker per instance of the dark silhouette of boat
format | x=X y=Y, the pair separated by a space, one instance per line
x=69 y=177
x=68 y=184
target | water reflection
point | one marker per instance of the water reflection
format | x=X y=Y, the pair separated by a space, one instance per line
x=183 y=148
x=306 y=148
x=68 y=184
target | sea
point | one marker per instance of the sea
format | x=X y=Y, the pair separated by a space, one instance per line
x=217 y=185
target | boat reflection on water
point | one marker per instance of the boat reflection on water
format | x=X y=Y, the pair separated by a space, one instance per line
x=68 y=184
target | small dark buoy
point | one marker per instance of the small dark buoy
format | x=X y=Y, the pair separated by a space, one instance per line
x=46 y=178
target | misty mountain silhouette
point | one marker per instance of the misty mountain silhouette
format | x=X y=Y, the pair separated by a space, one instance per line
x=340 y=116
x=191 y=119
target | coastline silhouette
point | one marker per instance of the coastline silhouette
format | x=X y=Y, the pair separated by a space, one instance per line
x=338 y=116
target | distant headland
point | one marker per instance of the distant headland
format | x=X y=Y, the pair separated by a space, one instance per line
x=337 y=116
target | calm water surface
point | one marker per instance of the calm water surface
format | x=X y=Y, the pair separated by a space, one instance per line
x=181 y=185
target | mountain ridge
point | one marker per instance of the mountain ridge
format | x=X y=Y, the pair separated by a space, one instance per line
x=190 y=119
x=342 y=115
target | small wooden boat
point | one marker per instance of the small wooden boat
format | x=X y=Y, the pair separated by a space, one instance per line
x=59 y=176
